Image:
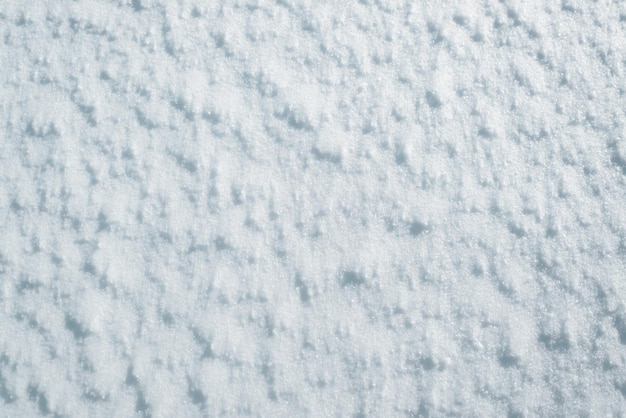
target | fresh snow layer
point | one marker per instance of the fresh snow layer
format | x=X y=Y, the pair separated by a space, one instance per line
x=312 y=208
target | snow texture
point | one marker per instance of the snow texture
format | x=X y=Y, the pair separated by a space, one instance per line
x=287 y=208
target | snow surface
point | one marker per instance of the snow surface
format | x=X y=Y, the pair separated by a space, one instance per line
x=312 y=208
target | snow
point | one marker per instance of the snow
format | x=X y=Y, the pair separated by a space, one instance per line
x=312 y=208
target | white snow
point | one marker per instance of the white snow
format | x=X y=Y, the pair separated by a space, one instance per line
x=312 y=208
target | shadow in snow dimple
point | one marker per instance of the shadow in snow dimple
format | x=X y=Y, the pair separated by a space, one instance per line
x=186 y=163
x=137 y=7
x=221 y=244
x=6 y=396
x=514 y=414
x=166 y=237
x=265 y=87
x=128 y=154
x=401 y=156
x=195 y=12
x=616 y=158
x=168 y=45
x=268 y=374
x=435 y=32
x=352 y=279
x=484 y=132
x=103 y=223
x=427 y=363
x=75 y=224
x=25 y=286
x=93 y=176
x=507 y=360
x=76 y=328
x=204 y=343
x=478 y=37
x=551 y=232
x=89 y=268
x=544 y=266
x=104 y=76
x=213 y=117
x=567 y=7
x=512 y=14
x=35 y=395
x=268 y=326
x=417 y=228
x=93 y=395
x=141 y=406
x=103 y=283
x=167 y=318
x=236 y=196
x=16 y=207
x=88 y=114
x=196 y=395
x=56 y=260
x=516 y=230
x=620 y=325
x=294 y=118
x=558 y=342
x=74 y=24
x=433 y=100
x=143 y=120
x=460 y=20
x=477 y=270
x=182 y=106
x=197 y=248
x=46 y=131
x=220 y=40
x=303 y=290
x=326 y=156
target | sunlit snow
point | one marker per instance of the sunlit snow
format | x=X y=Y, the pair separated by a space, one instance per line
x=289 y=208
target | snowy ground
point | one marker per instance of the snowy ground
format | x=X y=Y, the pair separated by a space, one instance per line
x=312 y=208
